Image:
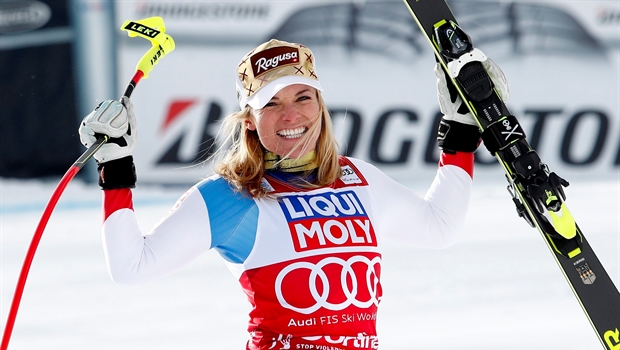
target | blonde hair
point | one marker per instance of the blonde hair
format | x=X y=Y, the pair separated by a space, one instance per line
x=242 y=162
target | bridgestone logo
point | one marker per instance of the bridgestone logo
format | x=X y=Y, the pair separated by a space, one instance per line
x=205 y=11
x=273 y=58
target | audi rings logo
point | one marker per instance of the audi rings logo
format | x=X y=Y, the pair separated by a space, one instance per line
x=320 y=284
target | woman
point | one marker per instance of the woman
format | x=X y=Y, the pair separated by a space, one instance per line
x=296 y=223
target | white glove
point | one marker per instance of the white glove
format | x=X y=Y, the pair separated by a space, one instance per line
x=450 y=102
x=116 y=120
x=498 y=78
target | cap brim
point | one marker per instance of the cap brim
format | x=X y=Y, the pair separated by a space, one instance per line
x=264 y=95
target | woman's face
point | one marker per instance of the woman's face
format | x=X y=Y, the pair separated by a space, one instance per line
x=286 y=119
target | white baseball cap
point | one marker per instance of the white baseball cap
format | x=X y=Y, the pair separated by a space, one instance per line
x=271 y=67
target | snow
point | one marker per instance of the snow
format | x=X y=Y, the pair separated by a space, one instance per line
x=498 y=287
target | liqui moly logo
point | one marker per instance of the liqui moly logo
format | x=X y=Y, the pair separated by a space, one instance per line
x=273 y=58
x=327 y=220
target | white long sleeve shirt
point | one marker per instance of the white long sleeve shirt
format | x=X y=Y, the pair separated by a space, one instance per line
x=310 y=261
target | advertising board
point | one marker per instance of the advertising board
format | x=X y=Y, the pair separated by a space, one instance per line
x=561 y=60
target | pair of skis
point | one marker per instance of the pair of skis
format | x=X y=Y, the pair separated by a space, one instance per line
x=536 y=192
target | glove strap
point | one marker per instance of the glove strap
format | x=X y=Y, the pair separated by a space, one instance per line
x=118 y=173
x=455 y=137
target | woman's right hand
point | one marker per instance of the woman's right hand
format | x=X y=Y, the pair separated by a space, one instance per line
x=116 y=120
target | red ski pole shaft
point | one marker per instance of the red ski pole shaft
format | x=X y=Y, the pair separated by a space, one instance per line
x=49 y=208
x=162 y=44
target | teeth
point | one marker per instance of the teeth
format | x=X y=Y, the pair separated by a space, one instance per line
x=292 y=133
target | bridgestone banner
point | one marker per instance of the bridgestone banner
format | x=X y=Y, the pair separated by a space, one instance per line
x=561 y=60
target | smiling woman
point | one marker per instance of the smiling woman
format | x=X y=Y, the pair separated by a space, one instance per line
x=289 y=124
x=297 y=224
x=283 y=122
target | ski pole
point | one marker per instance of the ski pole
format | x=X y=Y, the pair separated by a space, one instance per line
x=152 y=29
